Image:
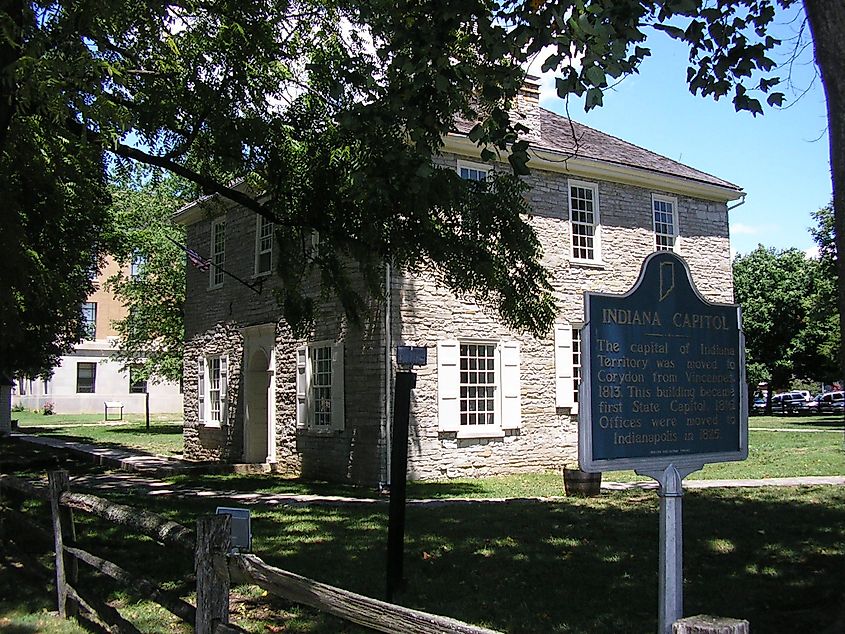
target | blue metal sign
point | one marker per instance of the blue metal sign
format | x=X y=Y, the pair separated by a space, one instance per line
x=663 y=375
x=408 y=356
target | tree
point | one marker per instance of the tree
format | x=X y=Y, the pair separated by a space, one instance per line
x=51 y=241
x=153 y=291
x=771 y=287
x=596 y=41
x=819 y=343
x=359 y=95
x=338 y=128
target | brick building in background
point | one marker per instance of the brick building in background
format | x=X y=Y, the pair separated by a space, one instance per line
x=86 y=378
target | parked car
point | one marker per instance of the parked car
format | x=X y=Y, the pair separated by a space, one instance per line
x=791 y=403
x=759 y=405
x=831 y=403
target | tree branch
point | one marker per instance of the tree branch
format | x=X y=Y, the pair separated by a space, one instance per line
x=207 y=183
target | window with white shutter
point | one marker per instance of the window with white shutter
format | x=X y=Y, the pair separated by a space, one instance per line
x=478 y=385
x=212 y=383
x=320 y=386
x=564 y=374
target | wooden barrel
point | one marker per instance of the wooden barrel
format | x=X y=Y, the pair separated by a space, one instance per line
x=580 y=483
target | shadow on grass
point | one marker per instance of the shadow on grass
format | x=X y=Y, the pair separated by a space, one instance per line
x=26 y=460
x=263 y=483
x=774 y=557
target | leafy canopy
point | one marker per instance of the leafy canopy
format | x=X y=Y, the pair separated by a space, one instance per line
x=338 y=108
x=789 y=331
x=151 y=281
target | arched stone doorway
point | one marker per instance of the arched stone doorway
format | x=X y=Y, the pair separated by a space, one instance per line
x=259 y=410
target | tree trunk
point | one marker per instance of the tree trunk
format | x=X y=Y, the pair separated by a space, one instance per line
x=827 y=24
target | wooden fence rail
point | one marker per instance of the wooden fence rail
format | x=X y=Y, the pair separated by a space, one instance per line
x=375 y=614
x=216 y=565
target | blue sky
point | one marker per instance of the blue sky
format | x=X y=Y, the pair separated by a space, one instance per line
x=780 y=159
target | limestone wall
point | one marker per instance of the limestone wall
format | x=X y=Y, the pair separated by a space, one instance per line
x=423 y=314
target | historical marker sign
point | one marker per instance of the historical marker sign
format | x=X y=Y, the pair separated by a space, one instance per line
x=663 y=375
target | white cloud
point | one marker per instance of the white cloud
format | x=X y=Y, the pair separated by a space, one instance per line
x=812 y=252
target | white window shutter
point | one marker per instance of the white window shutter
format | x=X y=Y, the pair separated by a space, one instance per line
x=224 y=392
x=337 y=387
x=448 y=384
x=201 y=389
x=564 y=383
x=511 y=416
x=302 y=378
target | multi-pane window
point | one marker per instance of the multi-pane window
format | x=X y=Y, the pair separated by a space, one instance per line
x=211 y=390
x=215 y=401
x=136 y=265
x=218 y=252
x=263 y=246
x=321 y=386
x=89 y=320
x=576 y=362
x=478 y=387
x=86 y=377
x=137 y=385
x=472 y=172
x=478 y=384
x=665 y=223
x=584 y=220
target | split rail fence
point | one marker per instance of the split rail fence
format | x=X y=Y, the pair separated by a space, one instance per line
x=215 y=564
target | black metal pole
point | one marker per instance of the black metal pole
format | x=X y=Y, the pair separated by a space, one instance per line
x=147 y=408
x=405 y=382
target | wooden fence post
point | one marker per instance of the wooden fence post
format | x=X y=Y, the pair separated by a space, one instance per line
x=63 y=531
x=214 y=537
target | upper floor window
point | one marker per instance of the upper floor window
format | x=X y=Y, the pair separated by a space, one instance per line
x=136 y=265
x=263 y=245
x=473 y=171
x=665 y=215
x=218 y=253
x=584 y=220
x=320 y=386
x=478 y=387
x=89 y=320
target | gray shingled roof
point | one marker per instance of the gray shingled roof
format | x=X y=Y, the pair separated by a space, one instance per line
x=564 y=136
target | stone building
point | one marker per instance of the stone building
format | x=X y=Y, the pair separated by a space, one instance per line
x=490 y=400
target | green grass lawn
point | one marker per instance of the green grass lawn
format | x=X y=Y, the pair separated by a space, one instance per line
x=772 y=454
x=164 y=437
x=772 y=556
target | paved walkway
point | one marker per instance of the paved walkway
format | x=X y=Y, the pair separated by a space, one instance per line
x=142 y=473
x=115 y=458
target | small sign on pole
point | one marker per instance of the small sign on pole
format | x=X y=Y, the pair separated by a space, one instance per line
x=663 y=393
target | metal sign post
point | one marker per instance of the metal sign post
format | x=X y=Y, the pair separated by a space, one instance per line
x=663 y=393
x=406 y=357
x=671 y=556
